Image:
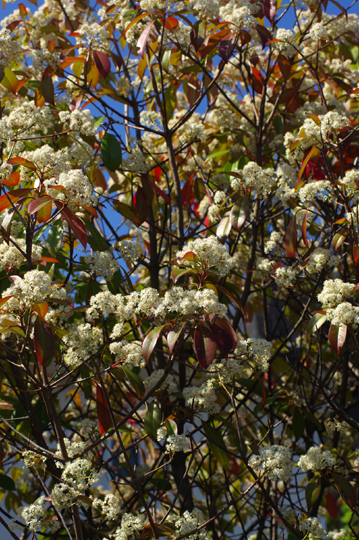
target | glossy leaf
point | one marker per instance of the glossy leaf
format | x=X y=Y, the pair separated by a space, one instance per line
x=339 y=239
x=149 y=342
x=141 y=206
x=284 y=66
x=96 y=241
x=337 y=336
x=135 y=382
x=102 y=62
x=312 y=491
x=75 y=225
x=313 y=153
x=173 y=335
x=304 y=230
x=37 y=204
x=269 y=9
x=44 y=341
x=316 y=322
x=216 y=443
x=22 y=161
x=345 y=488
x=153 y=419
x=239 y=213
x=6 y=482
x=142 y=40
x=224 y=227
x=331 y=505
x=47 y=89
x=13 y=180
x=103 y=413
x=111 y=152
x=290 y=240
x=205 y=345
x=224 y=335
x=54 y=237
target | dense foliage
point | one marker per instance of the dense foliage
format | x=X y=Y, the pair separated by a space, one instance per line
x=179 y=262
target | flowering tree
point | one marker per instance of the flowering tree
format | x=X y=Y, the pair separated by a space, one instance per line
x=179 y=263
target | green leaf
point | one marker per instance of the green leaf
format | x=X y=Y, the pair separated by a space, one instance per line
x=98 y=121
x=111 y=152
x=170 y=101
x=152 y=420
x=216 y=443
x=6 y=482
x=135 y=382
x=54 y=237
x=345 y=489
x=217 y=154
x=316 y=322
x=95 y=239
x=298 y=424
x=312 y=491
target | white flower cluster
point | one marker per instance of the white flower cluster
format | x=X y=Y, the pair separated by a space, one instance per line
x=190 y=521
x=313 y=527
x=130 y=250
x=76 y=188
x=272 y=242
x=168 y=384
x=11 y=256
x=129 y=525
x=319 y=258
x=79 y=120
x=33 y=288
x=33 y=515
x=255 y=349
x=334 y=292
x=313 y=190
x=210 y=253
x=202 y=398
x=110 y=507
x=316 y=459
x=344 y=313
x=9 y=48
x=254 y=177
x=129 y=353
x=285 y=276
x=102 y=263
x=274 y=460
x=239 y=13
x=174 y=443
x=82 y=340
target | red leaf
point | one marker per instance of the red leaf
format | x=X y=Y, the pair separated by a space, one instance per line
x=11 y=197
x=304 y=230
x=264 y=35
x=22 y=161
x=224 y=335
x=284 y=66
x=102 y=62
x=160 y=191
x=13 y=179
x=186 y=192
x=149 y=342
x=204 y=346
x=140 y=206
x=103 y=413
x=332 y=505
x=337 y=336
x=35 y=205
x=142 y=40
x=290 y=240
x=269 y=9
x=355 y=254
x=226 y=48
x=44 y=341
x=75 y=224
x=13 y=25
x=171 y=23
